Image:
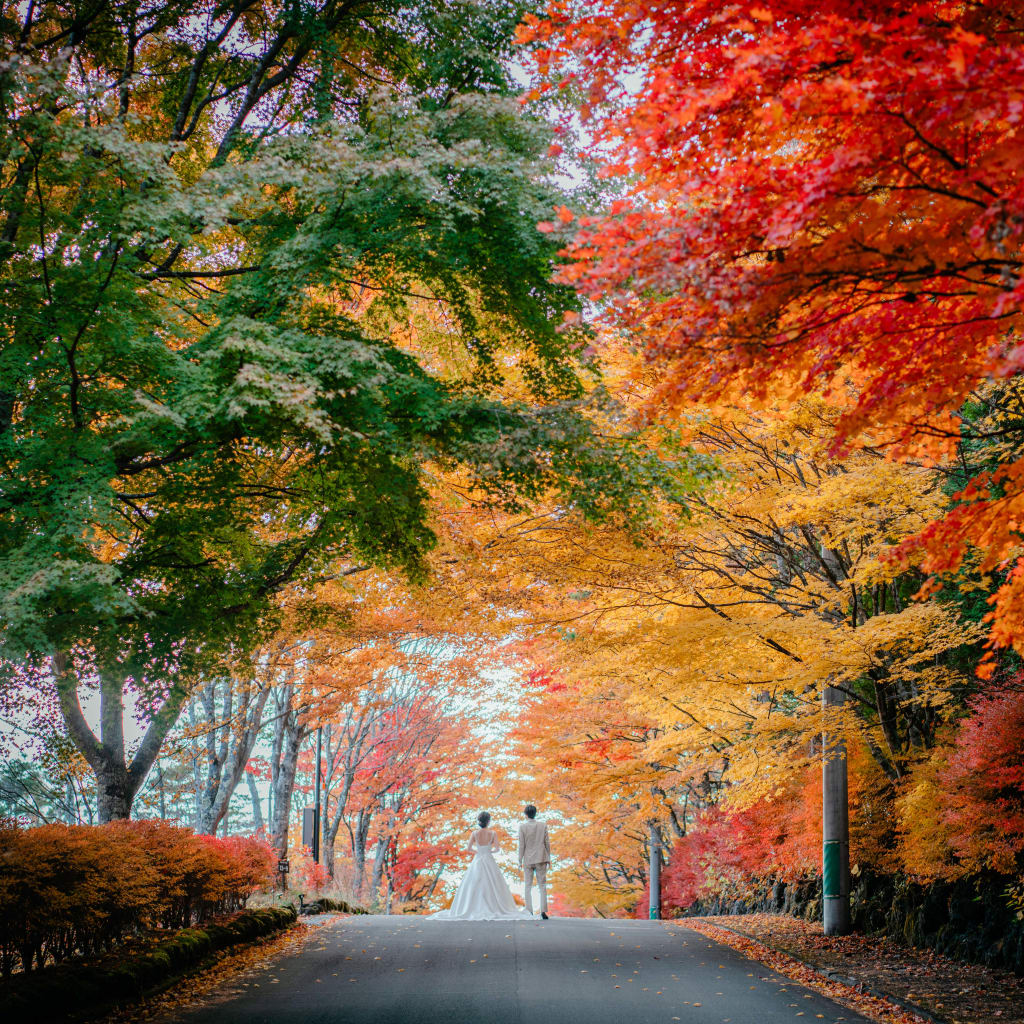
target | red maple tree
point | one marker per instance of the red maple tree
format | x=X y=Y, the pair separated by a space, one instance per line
x=822 y=196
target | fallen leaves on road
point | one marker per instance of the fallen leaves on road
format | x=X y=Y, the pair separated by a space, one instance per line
x=870 y=1006
x=951 y=989
x=218 y=981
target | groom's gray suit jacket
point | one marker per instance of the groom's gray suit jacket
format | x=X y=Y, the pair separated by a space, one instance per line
x=534 y=845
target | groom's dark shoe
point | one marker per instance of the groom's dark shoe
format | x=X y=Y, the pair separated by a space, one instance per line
x=544 y=915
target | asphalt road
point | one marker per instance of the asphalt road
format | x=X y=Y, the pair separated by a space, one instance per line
x=408 y=970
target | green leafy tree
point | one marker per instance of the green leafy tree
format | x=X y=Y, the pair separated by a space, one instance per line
x=261 y=265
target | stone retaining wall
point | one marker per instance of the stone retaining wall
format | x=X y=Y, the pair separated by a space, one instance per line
x=969 y=919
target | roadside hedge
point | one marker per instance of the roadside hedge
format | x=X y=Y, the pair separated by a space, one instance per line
x=81 y=890
x=79 y=989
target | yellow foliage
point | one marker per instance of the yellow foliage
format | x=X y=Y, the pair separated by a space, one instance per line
x=924 y=848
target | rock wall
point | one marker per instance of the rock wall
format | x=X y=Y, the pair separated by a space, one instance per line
x=969 y=919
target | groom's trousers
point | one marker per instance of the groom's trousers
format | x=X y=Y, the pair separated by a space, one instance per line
x=541 y=871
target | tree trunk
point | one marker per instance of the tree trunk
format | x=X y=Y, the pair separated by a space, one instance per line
x=433 y=885
x=289 y=734
x=160 y=789
x=328 y=853
x=284 y=788
x=118 y=780
x=352 y=736
x=378 y=871
x=257 y=803
x=114 y=792
x=216 y=753
x=886 y=708
x=333 y=824
x=230 y=719
x=359 y=837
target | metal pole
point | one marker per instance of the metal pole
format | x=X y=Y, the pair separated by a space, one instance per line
x=316 y=799
x=654 y=872
x=835 y=826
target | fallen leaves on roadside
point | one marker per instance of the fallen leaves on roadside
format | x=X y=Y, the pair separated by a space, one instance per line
x=218 y=981
x=871 y=1006
x=949 y=988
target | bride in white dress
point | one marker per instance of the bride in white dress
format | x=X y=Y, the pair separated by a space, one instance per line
x=483 y=893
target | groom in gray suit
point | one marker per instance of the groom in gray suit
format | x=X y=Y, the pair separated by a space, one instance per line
x=534 y=858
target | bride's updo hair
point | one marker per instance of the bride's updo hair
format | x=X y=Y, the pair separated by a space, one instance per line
x=484 y=819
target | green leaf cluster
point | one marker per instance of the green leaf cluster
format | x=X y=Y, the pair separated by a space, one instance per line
x=262 y=266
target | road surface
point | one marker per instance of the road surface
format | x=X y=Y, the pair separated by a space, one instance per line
x=408 y=970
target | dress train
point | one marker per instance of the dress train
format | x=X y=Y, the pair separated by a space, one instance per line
x=483 y=894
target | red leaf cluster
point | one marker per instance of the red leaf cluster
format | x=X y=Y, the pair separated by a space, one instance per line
x=819 y=196
x=984 y=781
x=306 y=875
x=723 y=849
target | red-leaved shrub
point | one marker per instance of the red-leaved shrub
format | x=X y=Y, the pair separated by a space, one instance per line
x=984 y=782
x=307 y=875
x=68 y=889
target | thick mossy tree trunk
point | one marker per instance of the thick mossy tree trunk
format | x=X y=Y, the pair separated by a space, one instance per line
x=118 y=777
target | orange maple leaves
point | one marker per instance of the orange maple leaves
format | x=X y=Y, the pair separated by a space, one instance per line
x=77 y=889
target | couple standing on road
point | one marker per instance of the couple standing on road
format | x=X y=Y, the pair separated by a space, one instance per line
x=483 y=893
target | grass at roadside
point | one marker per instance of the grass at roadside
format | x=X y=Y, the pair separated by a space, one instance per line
x=225 y=975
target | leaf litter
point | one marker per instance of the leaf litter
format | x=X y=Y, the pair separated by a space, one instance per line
x=948 y=989
x=225 y=975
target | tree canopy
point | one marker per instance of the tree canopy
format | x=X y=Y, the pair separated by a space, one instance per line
x=814 y=198
x=262 y=265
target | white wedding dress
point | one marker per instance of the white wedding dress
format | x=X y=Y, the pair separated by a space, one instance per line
x=483 y=893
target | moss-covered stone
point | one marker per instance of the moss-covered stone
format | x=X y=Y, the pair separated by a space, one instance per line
x=326 y=904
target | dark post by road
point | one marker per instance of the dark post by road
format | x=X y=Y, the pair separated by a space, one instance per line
x=654 y=872
x=835 y=826
x=316 y=798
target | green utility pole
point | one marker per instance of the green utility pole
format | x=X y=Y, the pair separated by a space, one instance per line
x=835 y=822
x=654 y=872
